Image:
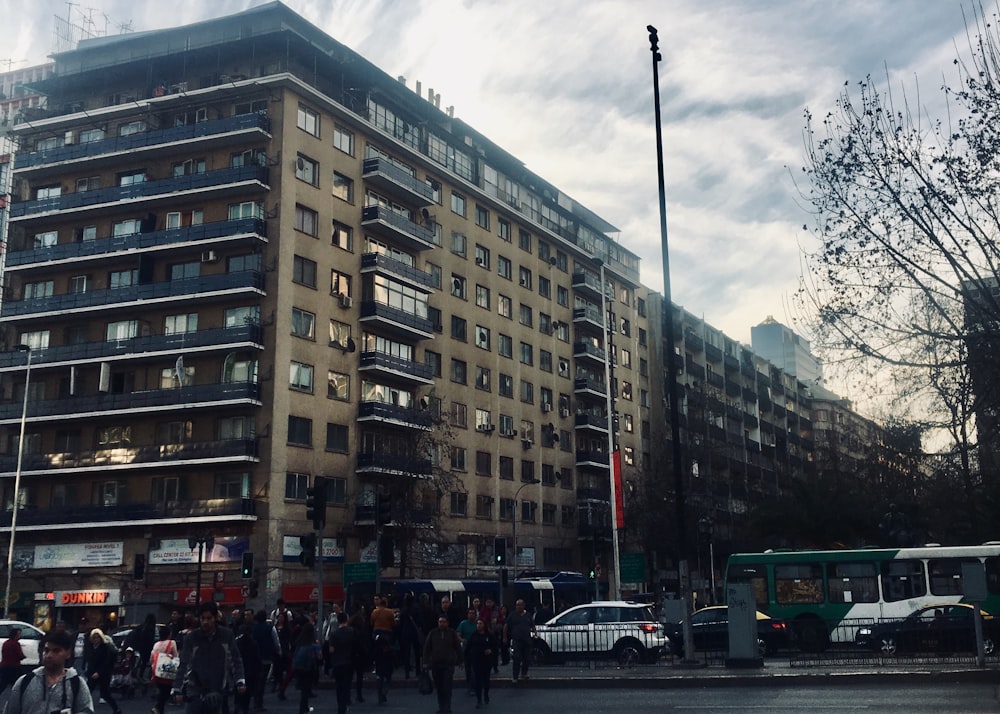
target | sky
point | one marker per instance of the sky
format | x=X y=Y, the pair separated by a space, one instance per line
x=566 y=86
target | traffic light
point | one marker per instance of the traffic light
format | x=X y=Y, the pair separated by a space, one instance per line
x=316 y=503
x=593 y=573
x=308 y=555
x=139 y=566
x=246 y=569
x=500 y=551
x=384 y=507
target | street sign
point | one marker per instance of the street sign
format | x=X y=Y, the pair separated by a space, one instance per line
x=633 y=567
x=359 y=572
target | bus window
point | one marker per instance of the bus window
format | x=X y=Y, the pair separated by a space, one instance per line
x=799 y=583
x=993 y=575
x=946 y=576
x=759 y=587
x=852 y=582
x=903 y=579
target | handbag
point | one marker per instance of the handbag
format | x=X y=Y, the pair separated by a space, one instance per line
x=425 y=685
x=165 y=665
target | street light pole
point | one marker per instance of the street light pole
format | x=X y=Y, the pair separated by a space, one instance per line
x=17 y=482
x=614 y=576
x=201 y=543
x=513 y=520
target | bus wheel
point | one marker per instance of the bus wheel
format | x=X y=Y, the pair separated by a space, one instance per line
x=812 y=636
x=988 y=646
x=887 y=645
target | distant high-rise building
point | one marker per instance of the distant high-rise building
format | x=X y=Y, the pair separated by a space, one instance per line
x=780 y=346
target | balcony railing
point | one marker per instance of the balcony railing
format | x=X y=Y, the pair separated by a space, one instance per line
x=136 y=402
x=133 y=456
x=587 y=283
x=88 y=516
x=593 y=493
x=394 y=225
x=119 y=144
x=364 y=513
x=583 y=384
x=394 y=180
x=223 y=336
x=588 y=349
x=396 y=319
x=591 y=421
x=393 y=413
x=592 y=458
x=392 y=464
x=382 y=262
x=137 y=241
x=383 y=362
x=588 y=314
x=161 y=291
x=145 y=189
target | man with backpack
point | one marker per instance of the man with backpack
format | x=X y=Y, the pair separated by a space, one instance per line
x=52 y=687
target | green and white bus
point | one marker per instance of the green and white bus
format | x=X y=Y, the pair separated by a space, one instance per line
x=823 y=595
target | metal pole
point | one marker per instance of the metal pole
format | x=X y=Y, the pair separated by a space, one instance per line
x=319 y=581
x=201 y=559
x=17 y=483
x=672 y=391
x=615 y=569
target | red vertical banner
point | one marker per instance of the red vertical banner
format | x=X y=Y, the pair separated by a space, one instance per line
x=616 y=467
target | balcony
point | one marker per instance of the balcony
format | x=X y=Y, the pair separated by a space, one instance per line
x=716 y=433
x=715 y=379
x=147 y=347
x=750 y=420
x=396 y=368
x=237 y=230
x=220 y=132
x=194 y=397
x=752 y=446
x=153 y=456
x=597 y=494
x=406 y=325
x=693 y=368
x=730 y=363
x=385 y=265
x=396 y=182
x=209 y=287
x=364 y=515
x=208 y=510
x=396 y=227
x=592 y=459
x=585 y=386
x=712 y=353
x=373 y=464
x=587 y=284
x=593 y=422
x=589 y=351
x=733 y=389
x=589 y=316
x=394 y=415
x=117 y=198
x=693 y=342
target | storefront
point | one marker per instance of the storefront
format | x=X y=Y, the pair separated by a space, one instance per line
x=306 y=594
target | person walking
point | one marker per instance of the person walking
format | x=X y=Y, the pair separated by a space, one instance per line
x=465 y=630
x=342 y=645
x=442 y=653
x=517 y=634
x=269 y=648
x=480 y=649
x=211 y=667
x=305 y=663
x=383 y=656
x=103 y=657
x=52 y=687
x=410 y=631
x=383 y=619
x=166 y=645
x=362 y=653
x=253 y=666
x=11 y=655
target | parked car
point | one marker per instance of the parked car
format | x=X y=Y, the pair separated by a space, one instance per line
x=946 y=627
x=710 y=629
x=31 y=638
x=625 y=631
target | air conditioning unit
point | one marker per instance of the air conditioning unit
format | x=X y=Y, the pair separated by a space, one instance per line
x=439 y=327
x=209 y=256
x=346 y=301
x=564 y=412
x=480 y=262
x=546 y=407
x=508 y=434
x=485 y=428
x=527 y=443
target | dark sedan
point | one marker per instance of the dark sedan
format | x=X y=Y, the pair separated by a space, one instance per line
x=710 y=629
x=948 y=627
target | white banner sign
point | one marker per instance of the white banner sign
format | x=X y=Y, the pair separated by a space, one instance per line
x=79 y=555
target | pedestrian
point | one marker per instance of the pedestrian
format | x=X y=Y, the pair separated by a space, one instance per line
x=452 y=613
x=442 y=653
x=11 y=655
x=103 y=657
x=52 y=687
x=383 y=619
x=141 y=640
x=211 y=667
x=480 y=650
x=253 y=667
x=269 y=648
x=282 y=666
x=343 y=643
x=465 y=630
x=517 y=634
x=410 y=634
x=383 y=656
x=362 y=653
x=167 y=646
x=305 y=663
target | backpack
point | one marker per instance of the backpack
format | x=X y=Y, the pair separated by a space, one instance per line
x=304 y=659
x=74 y=684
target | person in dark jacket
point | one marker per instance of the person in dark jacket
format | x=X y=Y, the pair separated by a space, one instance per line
x=305 y=663
x=410 y=634
x=103 y=657
x=363 y=653
x=211 y=667
x=269 y=647
x=343 y=644
x=141 y=640
x=382 y=654
x=480 y=648
x=442 y=653
x=253 y=668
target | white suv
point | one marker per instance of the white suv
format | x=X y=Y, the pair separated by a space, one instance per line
x=625 y=631
x=31 y=637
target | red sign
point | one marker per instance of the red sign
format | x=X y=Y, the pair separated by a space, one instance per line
x=308 y=592
x=232 y=595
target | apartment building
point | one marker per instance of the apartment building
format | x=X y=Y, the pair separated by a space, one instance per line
x=242 y=257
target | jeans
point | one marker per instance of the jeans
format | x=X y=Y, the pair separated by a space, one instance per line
x=481 y=671
x=342 y=675
x=444 y=680
x=521 y=652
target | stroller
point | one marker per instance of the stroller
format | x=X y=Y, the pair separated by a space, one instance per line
x=125 y=675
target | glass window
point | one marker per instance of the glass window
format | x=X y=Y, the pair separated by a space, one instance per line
x=798 y=583
x=308 y=120
x=343 y=236
x=506 y=386
x=343 y=139
x=307 y=170
x=524 y=277
x=505 y=269
x=459 y=371
x=303 y=323
x=306 y=221
x=458 y=286
x=483 y=297
x=562 y=295
x=300 y=376
x=338 y=385
x=852 y=582
x=304 y=271
x=524 y=240
x=458 y=328
x=295 y=486
x=505 y=345
x=506 y=468
x=299 y=431
x=482 y=217
x=505 y=306
x=337 y=437
x=458 y=243
x=527 y=354
x=459 y=503
x=946 y=576
x=482 y=337
x=483 y=381
x=433 y=360
x=482 y=257
x=503 y=229
x=458 y=204
x=903 y=579
x=343 y=187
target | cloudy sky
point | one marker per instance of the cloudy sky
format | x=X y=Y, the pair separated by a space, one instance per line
x=566 y=86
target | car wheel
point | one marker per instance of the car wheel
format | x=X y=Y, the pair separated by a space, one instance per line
x=629 y=653
x=988 y=646
x=762 y=647
x=887 y=645
x=812 y=636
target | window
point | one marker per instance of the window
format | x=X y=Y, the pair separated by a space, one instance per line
x=306 y=221
x=246 y=209
x=482 y=217
x=628 y=423
x=545 y=287
x=337 y=438
x=48 y=192
x=436 y=276
x=642 y=337
x=343 y=187
x=307 y=170
x=527 y=470
x=303 y=324
x=256 y=106
x=340 y=283
x=90 y=183
x=188 y=167
x=122 y=278
x=482 y=257
x=548 y=514
x=544 y=252
x=505 y=306
x=482 y=337
x=459 y=415
x=562 y=262
x=505 y=269
x=798 y=583
x=506 y=468
x=506 y=386
x=458 y=243
x=458 y=204
x=523 y=240
x=625 y=358
x=505 y=346
x=458 y=458
x=483 y=297
x=626 y=327
x=562 y=295
x=109 y=493
x=458 y=328
x=458 y=286
x=308 y=120
x=503 y=229
x=643 y=367
x=506 y=425
x=548 y=475
x=484 y=507
x=299 y=431
x=343 y=236
x=131 y=178
x=338 y=385
x=524 y=315
x=79 y=284
x=628 y=455
x=343 y=139
x=567 y=516
x=182 y=271
x=121 y=330
x=545 y=360
x=166 y=488
x=545 y=396
x=483 y=379
x=529 y=509
x=90 y=233
x=239 y=316
x=527 y=392
x=433 y=360
x=459 y=371
x=295 y=486
x=524 y=277
x=459 y=503
x=300 y=377
x=643 y=398
x=627 y=390
x=340 y=334
x=527 y=354
x=232 y=486
x=173 y=432
x=36 y=340
x=336 y=491
x=304 y=271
